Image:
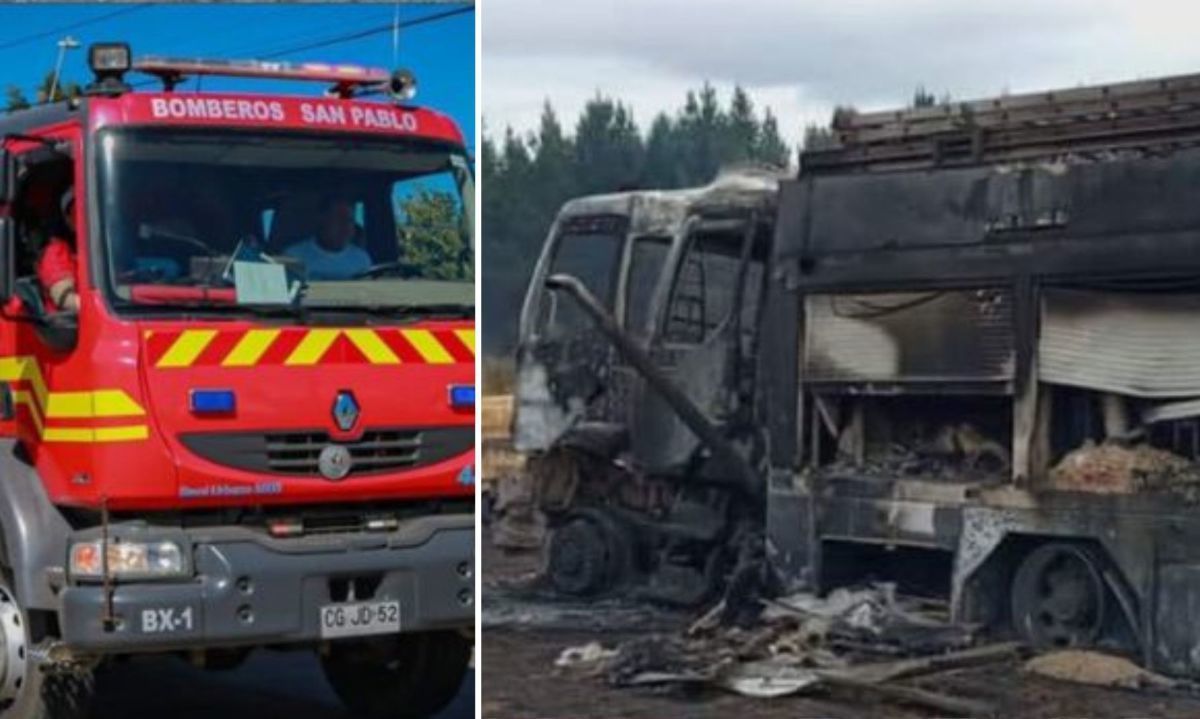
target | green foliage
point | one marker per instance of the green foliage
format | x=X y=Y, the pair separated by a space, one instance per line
x=431 y=235
x=15 y=98
x=526 y=179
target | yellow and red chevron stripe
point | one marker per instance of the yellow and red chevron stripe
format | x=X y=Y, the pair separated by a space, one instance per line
x=308 y=346
x=46 y=407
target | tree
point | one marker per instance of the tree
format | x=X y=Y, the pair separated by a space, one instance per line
x=742 y=130
x=770 y=147
x=819 y=137
x=923 y=98
x=702 y=128
x=526 y=179
x=432 y=235
x=608 y=147
x=15 y=99
x=662 y=166
x=553 y=171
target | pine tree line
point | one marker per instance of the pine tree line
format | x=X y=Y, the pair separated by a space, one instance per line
x=525 y=179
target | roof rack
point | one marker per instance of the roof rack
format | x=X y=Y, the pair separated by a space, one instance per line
x=1129 y=115
x=347 y=80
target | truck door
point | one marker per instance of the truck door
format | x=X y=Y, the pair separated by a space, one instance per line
x=41 y=172
x=707 y=339
x=563 y=362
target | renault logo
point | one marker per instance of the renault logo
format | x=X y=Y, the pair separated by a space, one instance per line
x=345 y=411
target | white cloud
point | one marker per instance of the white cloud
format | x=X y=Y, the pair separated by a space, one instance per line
x=802 y=58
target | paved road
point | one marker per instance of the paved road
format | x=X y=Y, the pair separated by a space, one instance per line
x=270 y=685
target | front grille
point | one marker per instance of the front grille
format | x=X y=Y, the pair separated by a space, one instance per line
x=296 y=452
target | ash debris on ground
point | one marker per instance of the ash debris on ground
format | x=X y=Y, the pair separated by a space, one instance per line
x=866 y=638
x=550 y=657
x=855 y=644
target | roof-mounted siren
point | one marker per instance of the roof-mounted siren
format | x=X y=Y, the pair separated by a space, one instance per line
x=346 y=81
x=109 y=61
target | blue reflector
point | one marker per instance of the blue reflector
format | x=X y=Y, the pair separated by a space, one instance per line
x=212 y=401
x=462 y=395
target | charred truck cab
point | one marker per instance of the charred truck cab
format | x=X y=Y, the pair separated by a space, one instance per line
x=635 y=379
x=245 y=436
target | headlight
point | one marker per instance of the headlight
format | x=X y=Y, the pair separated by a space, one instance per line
x=127 y=560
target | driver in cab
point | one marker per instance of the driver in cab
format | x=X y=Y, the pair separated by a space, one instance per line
x=332 y=253
x=56 y=265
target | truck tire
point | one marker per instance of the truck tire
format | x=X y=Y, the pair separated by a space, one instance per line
x=1059 y=599
x=26 y=692
x=406 y=676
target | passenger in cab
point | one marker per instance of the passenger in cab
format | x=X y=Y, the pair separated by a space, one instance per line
x=57 y=266
x=332 y=253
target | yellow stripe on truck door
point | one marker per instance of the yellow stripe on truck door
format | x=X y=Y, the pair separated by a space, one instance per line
x=186 y=348
x=250 y=348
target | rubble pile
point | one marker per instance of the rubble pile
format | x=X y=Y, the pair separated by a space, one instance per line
x=1114 y=468
x=865 y=640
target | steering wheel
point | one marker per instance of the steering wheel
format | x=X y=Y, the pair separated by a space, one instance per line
x=400 y=268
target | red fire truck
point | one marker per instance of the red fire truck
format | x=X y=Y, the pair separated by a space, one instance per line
x=258 y=428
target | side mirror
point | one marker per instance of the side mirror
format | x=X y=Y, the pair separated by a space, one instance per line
x=8 y=243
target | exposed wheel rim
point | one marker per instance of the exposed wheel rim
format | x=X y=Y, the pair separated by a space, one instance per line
x=1059 y=597
x=13 y=652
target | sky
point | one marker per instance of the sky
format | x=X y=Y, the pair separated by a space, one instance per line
x=804 y=57
x=441 y=53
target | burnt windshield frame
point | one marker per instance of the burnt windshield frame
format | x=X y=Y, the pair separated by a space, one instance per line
x=100 y=258
x=599 y=225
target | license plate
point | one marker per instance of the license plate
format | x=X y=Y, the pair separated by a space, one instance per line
x=357 y=619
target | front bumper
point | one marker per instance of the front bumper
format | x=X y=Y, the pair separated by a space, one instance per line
x=248 y=589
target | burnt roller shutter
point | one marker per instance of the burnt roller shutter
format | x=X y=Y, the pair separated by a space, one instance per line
x=942 y=336
x=1141 y=345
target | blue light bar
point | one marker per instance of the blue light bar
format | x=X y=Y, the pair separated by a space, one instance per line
x=212 y=401
x=462 y=396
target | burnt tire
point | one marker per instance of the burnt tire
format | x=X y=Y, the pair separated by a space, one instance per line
x=26 y=692
x=579 y=558
x=1059 y=598
x=405 y=676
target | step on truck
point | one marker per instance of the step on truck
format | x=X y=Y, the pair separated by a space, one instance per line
x=958 y=355
x=237 y=441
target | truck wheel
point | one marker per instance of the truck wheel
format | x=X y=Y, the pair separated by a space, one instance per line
x=1059 y=597
x=406 y=676
x=578 y=558
x=26 y=692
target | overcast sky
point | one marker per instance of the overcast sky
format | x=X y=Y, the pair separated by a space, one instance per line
x=801 y=57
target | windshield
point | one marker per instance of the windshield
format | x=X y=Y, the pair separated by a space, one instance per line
x=237 y=219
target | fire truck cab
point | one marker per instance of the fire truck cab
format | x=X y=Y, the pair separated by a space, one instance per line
x=258 y=428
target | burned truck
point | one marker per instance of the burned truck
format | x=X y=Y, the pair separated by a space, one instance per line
x=955 y=351
x=635 y=385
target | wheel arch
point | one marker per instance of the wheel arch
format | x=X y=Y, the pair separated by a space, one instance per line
x=981 y=592
x=33 y=533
